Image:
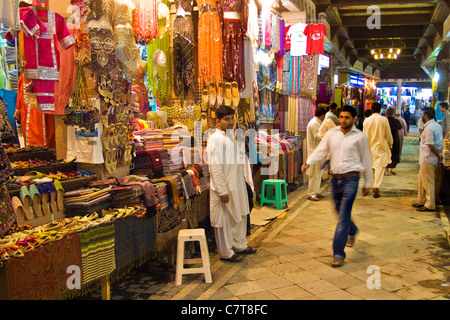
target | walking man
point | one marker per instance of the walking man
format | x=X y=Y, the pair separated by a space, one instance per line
x=229 y=171
x=431 y=144
x=445 y=123
x=377 y=129
x=312 y=141
x=349 y=155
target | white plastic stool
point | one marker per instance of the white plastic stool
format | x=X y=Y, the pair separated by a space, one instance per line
x=185 y=235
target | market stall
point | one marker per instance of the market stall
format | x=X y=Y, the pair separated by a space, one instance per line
x=114 y=105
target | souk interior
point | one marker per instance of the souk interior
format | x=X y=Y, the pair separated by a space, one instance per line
x=106 y=106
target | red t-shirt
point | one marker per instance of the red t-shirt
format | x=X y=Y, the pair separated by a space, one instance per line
x=287 y=39
x=315 y=38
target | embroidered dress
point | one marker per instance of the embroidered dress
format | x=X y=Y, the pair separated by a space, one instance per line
x=103 y=50
x=209 y=43
x=126 y=47
x=38 y=128
x=183 y=49
x=145 y=24
x=42 y=29
x=233 y=42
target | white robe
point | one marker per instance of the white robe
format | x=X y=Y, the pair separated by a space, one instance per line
x=312 y=141
x=376 y=128
x=229 y=170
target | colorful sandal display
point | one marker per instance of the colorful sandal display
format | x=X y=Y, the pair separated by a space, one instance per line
x=27 y=202
x=36 y=198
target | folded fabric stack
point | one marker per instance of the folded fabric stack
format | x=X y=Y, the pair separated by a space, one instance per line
x=165 y=158
x=178 y=180
x=126 y=196
x=85 y=201
x=142 y=165
x=148 y=139
x=162 y=200
x=204 y=180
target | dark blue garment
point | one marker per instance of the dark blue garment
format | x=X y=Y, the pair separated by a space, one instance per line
x=344 y=194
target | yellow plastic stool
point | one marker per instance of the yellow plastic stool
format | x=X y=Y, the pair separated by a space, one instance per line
x=274 y=196
x=186 y=235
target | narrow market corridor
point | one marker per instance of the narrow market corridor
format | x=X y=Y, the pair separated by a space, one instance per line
x=410 y=250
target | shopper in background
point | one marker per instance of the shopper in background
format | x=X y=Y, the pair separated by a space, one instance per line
x=229 y=170
x=312 y=141
x=445 y=123
x=431 y=144
x=377 y=129
x=403 y=132
x=407 y=116
x=395 y=126
x=350 y=155
x=360 y=123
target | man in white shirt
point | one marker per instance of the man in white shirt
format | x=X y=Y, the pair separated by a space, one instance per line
x=312 y=141
x=377 y=129
x=431 y=144
x=350 y=155
x=229 y=171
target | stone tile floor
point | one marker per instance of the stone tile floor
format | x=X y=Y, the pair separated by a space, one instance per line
x=409 y=249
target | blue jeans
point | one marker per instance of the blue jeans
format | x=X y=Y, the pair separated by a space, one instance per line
x=344 y=194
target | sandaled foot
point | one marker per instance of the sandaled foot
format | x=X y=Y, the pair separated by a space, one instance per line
x=350 y=242
x=337 y=262
x=313 y=198
x=235 y=258
x=248 y=250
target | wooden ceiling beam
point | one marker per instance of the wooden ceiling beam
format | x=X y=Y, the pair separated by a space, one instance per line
x=404 y=32
x=351 y=3
x=390 y=20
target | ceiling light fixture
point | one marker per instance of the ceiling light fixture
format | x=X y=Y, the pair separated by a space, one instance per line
x=386 y=52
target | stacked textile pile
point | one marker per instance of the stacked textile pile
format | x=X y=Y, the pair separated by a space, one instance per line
x=176 y=177
x=165 y=158
x=204 y=178
x=126 y=196
x=162 y=200
x=148 y=139
x=85 y=201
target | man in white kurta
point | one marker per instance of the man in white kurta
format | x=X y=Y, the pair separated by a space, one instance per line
x=229 y=170
x=377 y=129
x=314 y=172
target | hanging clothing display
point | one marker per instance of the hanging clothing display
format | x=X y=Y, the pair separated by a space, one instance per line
x=9 y=14
x=209 y=44
x=159 y=74
x=145 y=24
x=126 y=49
x=315 y=38
x=42 y=29
x=183 y=49
x=298 y=40
x=308 y=75
x=233 y=42
x=38 y=129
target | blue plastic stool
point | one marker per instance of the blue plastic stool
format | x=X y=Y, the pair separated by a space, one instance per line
x=274 y=192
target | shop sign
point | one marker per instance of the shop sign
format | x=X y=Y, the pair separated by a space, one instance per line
x=356 y=81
